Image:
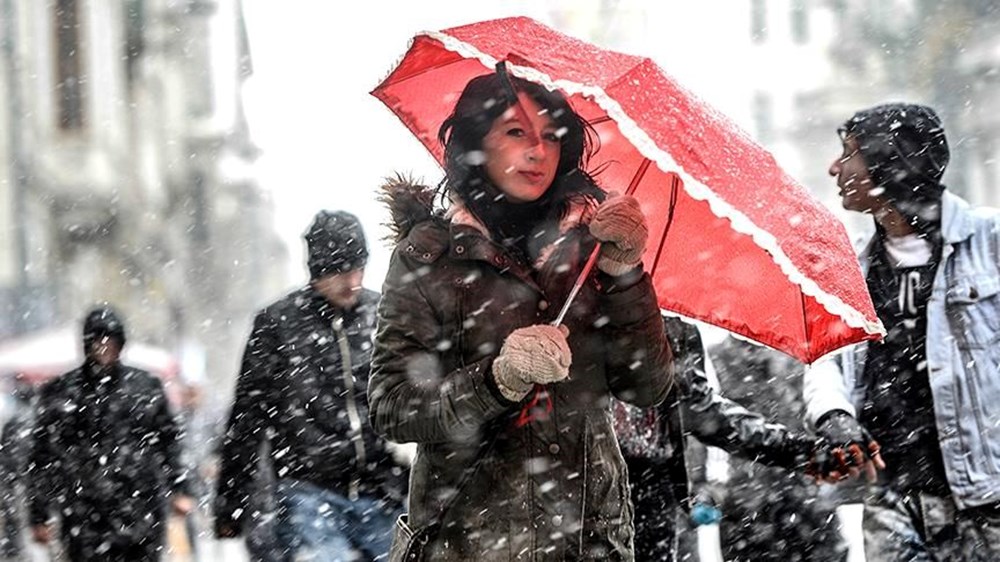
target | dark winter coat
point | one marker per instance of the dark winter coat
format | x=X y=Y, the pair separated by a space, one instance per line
x=556 y=488
x=303 y=384
x=694 y=408
x=654 y=445
x=15 y=448
x=105 y=456
x=772 y=513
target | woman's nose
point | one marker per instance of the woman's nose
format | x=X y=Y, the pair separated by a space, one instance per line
x=536 y=152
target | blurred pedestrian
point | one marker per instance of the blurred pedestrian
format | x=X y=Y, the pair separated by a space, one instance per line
x=653 y=443
x=516 y=457
x=105 y=458
x=770 y=512
x=15 y=446
x=928 y=393
x=302 y=391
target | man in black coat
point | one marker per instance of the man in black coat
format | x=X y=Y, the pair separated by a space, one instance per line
x=302 y=388
x=105 y=454
x=771 y=512
x=653 y=444
x=15 y=445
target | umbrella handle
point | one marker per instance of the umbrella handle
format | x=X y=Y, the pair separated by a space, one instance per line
x=539 y=393
x=587 y=267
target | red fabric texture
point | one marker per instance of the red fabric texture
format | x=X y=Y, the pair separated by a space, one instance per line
x=701 y=266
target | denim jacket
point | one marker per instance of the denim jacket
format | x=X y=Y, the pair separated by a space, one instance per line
x=963 y=355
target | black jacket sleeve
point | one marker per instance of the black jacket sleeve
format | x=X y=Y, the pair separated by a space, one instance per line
x=248 y=425
x=42 y=481
x=720 y=422
x=640 y=361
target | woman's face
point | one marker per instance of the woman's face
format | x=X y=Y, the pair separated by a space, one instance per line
x=522 y=158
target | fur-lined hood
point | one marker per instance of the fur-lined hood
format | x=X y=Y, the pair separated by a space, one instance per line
x=411 y=203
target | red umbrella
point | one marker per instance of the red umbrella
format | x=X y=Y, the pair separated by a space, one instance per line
x=736 y=242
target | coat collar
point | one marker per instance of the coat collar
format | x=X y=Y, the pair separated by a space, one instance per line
x=956 y=223
x=470 y=240
x=956 y=226
x=466 y=228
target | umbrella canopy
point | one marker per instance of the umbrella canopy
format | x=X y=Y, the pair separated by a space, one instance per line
x=735 y=241
x=43 y=355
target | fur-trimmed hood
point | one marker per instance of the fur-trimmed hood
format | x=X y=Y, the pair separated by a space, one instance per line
x=409 y=203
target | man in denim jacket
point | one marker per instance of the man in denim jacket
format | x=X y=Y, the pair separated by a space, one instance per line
x=929 y=393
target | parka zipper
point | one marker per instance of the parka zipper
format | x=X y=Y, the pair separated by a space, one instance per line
x=352 y=407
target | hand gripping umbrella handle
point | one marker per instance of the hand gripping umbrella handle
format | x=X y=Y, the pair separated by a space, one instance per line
x=540 y=394
x=580 y=280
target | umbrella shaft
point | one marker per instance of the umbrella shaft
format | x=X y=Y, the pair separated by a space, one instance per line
x=579 y=283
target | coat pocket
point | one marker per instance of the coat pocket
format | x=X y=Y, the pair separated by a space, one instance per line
x=973 y=308
x=408 y=544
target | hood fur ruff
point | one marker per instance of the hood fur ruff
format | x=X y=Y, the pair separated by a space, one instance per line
x=410 y=203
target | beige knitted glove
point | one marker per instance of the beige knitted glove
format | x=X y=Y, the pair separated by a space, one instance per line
x=532 y=355
x=621 y=227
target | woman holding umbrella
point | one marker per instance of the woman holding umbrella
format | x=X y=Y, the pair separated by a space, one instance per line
x=507 y=398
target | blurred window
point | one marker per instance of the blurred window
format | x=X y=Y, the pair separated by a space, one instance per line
x=135 y=25
x=758 y=20
x=800 y=22
x=69 y=75
x=763 y=116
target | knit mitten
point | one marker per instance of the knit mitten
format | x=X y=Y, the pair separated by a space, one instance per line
x=532 y=355
x=621 y=227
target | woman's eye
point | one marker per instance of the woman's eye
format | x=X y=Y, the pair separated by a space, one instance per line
x=552 y=136
x=515 y=132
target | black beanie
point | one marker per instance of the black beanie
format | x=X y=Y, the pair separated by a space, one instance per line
x=336 y=244
x=905 y=150
x=102 y=321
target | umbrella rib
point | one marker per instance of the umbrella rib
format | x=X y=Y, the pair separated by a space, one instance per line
x=674 y=180
x=634 y=184
x=805 y=323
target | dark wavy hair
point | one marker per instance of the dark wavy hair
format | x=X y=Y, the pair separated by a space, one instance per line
x=484 y=100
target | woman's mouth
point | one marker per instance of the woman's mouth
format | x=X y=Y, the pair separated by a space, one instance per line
x=533 y=177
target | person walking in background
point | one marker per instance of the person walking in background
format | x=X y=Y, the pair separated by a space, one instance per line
x=105 y=455
x=516 y=454
x=772 y=511
x=15 y=446
x=301 y=391
x=653 y=444
x=927 y=394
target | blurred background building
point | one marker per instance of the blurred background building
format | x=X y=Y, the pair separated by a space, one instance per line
x=127 y=175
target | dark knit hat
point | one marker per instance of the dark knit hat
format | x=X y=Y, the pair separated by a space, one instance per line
x=905 y=149
x=336 y=244
x=102 y=321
